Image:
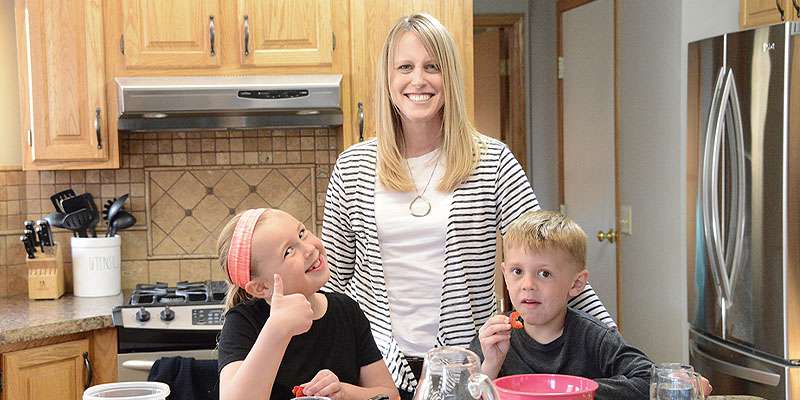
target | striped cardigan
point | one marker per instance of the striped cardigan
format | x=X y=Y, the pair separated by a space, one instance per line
x=494 y=195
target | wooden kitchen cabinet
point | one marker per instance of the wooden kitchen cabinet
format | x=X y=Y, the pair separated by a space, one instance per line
x=65 y=123
x=753 y=13
x=209 y=34
x=59 y=368
x=369 y=25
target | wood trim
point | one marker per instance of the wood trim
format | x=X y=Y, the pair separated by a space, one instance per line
x=566 y=5
x=517 y=135
x=103 y=350
x=617 y=146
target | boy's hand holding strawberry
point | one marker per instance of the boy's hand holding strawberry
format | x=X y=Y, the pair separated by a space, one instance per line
x=495 y=338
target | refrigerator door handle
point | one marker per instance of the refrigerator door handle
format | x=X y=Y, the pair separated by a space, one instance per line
x=738 y=371
x=714 y=171
x=705 y=185
x=740 y=182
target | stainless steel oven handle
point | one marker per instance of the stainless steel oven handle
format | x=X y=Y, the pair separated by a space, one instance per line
x=738 y=371
x=138 y=365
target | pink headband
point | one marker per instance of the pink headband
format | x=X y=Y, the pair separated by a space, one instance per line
x=241 y=246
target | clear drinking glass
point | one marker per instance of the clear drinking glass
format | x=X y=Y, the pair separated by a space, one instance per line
x=677 y=384
x=670 y=366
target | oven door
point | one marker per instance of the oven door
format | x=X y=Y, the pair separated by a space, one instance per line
x=136 y=366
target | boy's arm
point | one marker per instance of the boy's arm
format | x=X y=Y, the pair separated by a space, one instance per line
x=627 y=370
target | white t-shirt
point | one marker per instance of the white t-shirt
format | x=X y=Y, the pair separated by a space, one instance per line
x=413 y=255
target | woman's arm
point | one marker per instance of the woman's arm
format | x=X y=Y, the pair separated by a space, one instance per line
x=588 y=302
x=513 y=192
x=337 y=234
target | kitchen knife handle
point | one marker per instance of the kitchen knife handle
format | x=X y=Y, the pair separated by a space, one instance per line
x=29 y=247
x=246 y=36
x=211 y=34
x=89 y=373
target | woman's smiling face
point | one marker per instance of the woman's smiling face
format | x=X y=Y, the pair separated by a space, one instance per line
x=415 y=81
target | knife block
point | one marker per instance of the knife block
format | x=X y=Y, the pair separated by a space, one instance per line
x=46 y=274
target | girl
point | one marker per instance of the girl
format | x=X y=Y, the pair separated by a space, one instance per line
x=279 y=332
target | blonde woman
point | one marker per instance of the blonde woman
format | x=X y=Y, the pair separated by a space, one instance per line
x=411 y=216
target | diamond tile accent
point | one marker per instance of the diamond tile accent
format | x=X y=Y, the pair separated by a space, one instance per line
x=187 y=218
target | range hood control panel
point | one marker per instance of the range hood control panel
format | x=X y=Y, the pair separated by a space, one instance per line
x=272 y=94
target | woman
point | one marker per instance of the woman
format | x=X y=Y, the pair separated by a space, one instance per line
x=411 y=216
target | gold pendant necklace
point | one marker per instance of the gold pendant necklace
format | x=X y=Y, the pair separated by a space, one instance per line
x=420 y=206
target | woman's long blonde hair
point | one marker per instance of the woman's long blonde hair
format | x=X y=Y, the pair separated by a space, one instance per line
x=235 y=294
x=461 y=143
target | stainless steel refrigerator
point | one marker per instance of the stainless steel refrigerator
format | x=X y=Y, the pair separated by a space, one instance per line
x=744 y=211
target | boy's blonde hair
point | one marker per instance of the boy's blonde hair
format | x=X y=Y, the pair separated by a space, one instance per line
x=461 y=143
x=542 y=230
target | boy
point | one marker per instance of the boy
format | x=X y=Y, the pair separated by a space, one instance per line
x=545 y=258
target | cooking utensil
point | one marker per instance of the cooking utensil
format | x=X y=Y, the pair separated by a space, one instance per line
x=82 y=201
x=79 y=221
x=122 y=220
x=113 y=206
x=57 y=198
x=56 y=219
x=30 y=248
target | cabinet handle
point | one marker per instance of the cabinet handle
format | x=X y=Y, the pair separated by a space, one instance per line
x=246 y=36
x=97 y=128
x=796 y=7
x=211 y=34
x=360 y=121
x=780 y=9
x=87 y=364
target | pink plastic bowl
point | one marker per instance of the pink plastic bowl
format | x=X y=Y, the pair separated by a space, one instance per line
x=545 y=386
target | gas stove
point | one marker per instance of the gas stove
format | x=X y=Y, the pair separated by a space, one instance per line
x=186 y=306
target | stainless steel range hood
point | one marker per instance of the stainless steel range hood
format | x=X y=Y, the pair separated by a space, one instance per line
x=221 y=102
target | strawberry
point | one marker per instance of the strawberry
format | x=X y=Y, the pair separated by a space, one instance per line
x=297 y=391
x=515 y=320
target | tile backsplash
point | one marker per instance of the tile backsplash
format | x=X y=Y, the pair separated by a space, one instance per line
x=183 y=187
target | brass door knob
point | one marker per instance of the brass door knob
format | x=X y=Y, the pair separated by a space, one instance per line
x=611 y=236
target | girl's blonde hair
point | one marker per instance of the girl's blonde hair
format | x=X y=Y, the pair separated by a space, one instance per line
x=235 y=294
x=461 y=143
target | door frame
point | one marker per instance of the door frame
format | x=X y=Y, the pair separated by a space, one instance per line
x=562 y=7
x=517 y=137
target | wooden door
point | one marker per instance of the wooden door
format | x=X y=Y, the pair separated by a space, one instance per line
x=285 y=32
x=753 y=13
x=588 y=136
x=171 y=34
x=62 y=78
x=54 y=372
x=369 y=25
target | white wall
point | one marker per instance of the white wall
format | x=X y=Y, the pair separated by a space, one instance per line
x=652 y=87
x=11 y=149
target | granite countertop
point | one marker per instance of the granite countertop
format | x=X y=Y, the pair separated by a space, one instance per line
x=24 y=319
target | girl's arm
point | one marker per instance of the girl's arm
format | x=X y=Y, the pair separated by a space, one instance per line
x=254 y=377
x=374 y=379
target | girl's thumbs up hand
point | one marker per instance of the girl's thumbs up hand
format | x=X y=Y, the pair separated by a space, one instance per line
x=290 y=313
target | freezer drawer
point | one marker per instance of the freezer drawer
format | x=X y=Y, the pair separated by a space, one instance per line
x=732 y=371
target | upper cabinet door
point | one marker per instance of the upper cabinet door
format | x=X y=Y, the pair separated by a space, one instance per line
x=369 y=25
x=62 y=82
x=171 y=34
x=285 y=32
x=753 y=13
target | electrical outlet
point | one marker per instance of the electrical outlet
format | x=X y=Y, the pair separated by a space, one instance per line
x=625 y=220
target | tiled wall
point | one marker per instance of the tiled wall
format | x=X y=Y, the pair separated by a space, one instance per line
x=183 y=187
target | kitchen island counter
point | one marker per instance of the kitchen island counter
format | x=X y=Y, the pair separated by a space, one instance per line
x=24 y=320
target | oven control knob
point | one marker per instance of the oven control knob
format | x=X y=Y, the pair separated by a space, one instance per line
x=143 y=315
x=167 y=314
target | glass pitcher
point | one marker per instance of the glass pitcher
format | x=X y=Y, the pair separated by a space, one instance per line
x=453 y=373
